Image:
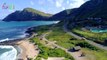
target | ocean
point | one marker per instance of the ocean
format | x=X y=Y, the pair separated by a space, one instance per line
x=15 y=30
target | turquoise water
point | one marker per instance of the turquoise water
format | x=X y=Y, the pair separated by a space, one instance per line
x=98 y=30
x=15 y=30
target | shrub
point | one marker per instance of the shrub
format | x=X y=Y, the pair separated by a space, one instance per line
x=87 y=45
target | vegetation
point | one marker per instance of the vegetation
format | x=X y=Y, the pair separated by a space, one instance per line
x=97 y=37
x=36 y=12
x=42 y=29
x=84 y=44
x=95 y=55
x=46 y=52
x=65 y=40
x=62 y=38
x=27 y=14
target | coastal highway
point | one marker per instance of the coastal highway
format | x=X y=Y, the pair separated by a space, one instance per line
x=79 y=37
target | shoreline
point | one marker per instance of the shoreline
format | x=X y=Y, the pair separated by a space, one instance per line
x=28 y=32
x=28 y=50
x=24 y=43
x=25 y=49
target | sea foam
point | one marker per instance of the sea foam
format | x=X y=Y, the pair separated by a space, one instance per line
x=10 y=54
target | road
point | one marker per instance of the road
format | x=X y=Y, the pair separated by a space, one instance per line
x=79 y=37
x=69 y=32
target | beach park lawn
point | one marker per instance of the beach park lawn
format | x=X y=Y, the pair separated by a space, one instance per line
x=96 y=37
x=65 y=40
x=46 y=52
x=62 y=38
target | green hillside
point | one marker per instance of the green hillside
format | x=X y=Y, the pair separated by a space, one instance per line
x=27 y=14
x=36 y=12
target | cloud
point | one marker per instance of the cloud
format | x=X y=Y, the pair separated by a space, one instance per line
x=59 y=3
x=31 y=2
x=76 y=3
x=63 y=8
x=68 y=3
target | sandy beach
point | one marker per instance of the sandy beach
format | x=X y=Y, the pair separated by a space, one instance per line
x=28 y=49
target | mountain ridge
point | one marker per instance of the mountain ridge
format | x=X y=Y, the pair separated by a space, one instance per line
x=27 y=14
x=90 y=9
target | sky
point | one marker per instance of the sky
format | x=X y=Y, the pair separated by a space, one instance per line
x=47 y=6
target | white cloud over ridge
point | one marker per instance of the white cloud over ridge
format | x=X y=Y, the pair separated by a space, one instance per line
x=62 y=3
x=59 y=3
x=54 y=6
x=76 y=3
x=69 y=3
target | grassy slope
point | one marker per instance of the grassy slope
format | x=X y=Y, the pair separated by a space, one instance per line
x=46 y=52
x=62 y=38
x=37 y=12
x=95 y=55
x=67 y=41
x=98 y=37
x=42 y=29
